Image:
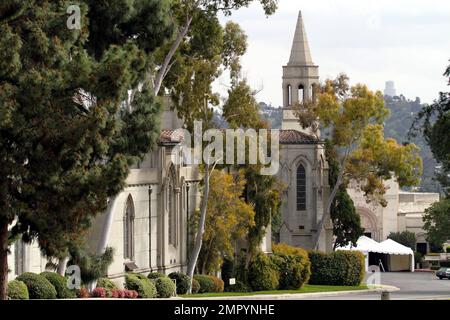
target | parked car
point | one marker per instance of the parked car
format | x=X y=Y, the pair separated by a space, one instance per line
x=443 y=273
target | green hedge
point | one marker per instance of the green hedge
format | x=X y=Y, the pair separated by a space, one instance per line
x=340 y=268
x=156 y=275
x=218 y=284
x=205 y=282
x=144 y=287
x=263 y=273
x=195 y=286
x=165 y=287
x=293 y=265
x=17 y=290
x=60 y=284
x=182 y=281
x=238 y=287
x=38 y=286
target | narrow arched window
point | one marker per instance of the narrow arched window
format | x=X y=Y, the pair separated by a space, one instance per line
x=301 y=93
x=301 y=188
x=289 y=95
x=128 y=230
x=172 y=217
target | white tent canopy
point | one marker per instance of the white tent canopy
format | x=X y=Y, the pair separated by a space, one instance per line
x=399 y=255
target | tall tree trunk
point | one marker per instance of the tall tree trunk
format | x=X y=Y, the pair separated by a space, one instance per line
x=62 y=264
x=327 y=212
x=166 y=64
x=201 y=229
x=3 y=258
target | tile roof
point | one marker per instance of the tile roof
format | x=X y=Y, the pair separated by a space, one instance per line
x=296 y=137
x=286 y=137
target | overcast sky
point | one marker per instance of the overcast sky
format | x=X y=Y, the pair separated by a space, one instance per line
x=406 y=41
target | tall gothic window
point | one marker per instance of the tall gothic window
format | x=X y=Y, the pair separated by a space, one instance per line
x=172 y=216
x=128 y=230
x=301 y=188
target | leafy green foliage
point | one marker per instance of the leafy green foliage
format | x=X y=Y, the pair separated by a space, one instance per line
x=144 y=287
x=165 y=287
x=263 y=273
x=62 y=95
x=205 y=282
x=38 y=286
x=91 y=266
x=195 y=286
x=238 y=287
x=437 y=222
x=341 y=268
x=60 y=284
x=17 y=290
x=182 y=281
x=218 y=283
x=293 y=266
x=155 y=275
x=346 y=221
x=228 y=219
x=405 y=238
x=434 y=122
x=107 y=284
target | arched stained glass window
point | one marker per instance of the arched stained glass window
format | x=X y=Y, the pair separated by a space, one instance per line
x=301 y=188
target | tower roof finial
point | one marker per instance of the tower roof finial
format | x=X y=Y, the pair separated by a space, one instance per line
x=300 y=52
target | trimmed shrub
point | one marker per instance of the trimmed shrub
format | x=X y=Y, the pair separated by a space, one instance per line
x=17 y=290
x=195 y=286
x=144 y=287
x=340 y=268
x=182 y=281
x=205 y=282
x=60 y=284
x=238 y=287
x=156 y=275
x=293 y=265
x=99 y=292
x=38 y=286
x=83 y=293
x=108 y=284
x=165 y=287
x=263 y=274
x=218 y=284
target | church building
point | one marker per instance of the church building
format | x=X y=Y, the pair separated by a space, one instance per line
x=147 y=223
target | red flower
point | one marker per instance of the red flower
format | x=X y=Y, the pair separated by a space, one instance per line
x=99 y=293
x=83 y=293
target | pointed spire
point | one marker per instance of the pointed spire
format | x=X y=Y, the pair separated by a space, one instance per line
x=300 y=53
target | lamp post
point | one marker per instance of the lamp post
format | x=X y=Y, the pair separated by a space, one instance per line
x=150 y=227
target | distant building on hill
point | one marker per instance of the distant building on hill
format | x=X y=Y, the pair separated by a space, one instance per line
x=389 y=90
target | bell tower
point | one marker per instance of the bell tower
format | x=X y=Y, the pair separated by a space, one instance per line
x=300 y=76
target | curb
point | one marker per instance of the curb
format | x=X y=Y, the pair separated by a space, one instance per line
x=296 y=296
x=425 y=270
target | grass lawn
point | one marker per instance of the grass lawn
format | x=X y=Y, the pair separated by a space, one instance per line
x=307 y=288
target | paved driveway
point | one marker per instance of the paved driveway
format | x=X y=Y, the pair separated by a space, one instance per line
x=413 y=285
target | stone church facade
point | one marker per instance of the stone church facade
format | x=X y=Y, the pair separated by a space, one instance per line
x=147 y=223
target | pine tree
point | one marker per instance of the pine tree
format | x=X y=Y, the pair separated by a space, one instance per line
x=66 y=141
